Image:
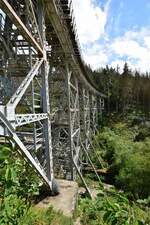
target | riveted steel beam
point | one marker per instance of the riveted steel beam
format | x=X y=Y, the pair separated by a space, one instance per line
x=40 y=58
x=23 y=119
x=30 y=130
x=25 y=84
x=24 y=151
x=7 y=8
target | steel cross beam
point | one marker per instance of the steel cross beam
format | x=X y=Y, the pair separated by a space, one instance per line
x=41 y=63
x=7 y=8
x=85 y=116
x=24 y=150
x=23 y=119
x=60 y=125
x=74 y=119
x=94 y=113
x=74 y=125
x=29 y=71
x=25 y=84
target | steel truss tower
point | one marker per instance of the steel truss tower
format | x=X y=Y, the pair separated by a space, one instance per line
x=47 y=101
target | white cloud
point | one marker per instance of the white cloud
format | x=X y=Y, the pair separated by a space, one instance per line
x=147 y=41
x=135 y=46
x=120 y=63
x=90 y=19
x=132 y=47
x=95 y=56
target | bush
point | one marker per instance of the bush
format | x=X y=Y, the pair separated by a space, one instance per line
x=134 y=174
x=18 y=185
x=12 y=208
x=112 y=209
x=37 y=216
x=128 y=160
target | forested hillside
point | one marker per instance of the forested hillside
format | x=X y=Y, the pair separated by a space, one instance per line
x=123 y=147
x=127 y=91
x=121 y=150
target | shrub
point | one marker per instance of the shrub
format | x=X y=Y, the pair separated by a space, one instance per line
x=18 y=185
x=37 y=216
x=112 y=210
x=12 y=208
x=134 y=175
x=128 y=160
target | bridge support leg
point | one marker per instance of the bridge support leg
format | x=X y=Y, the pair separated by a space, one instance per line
x=86 y=135
x=28 y=70
x=46 y=101
x=74 y=119
x=46 y=123
x=94 y=113
x=85 y=119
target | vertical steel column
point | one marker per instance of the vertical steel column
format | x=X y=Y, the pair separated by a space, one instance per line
x=33 y=101
x=86 y=116
x=74 y=120
x=100 y=107
x=60 y=125
x=26 y=115
x=47 y=123
x=85 y=122
x=45 y=96
x=94 y=113
x=66 y=125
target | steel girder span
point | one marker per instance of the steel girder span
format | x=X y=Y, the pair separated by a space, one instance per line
x=46 y=101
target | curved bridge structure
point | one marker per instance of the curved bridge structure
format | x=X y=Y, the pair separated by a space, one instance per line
x=49 y=106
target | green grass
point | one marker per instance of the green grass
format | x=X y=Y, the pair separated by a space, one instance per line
x=37 y=216
x=112 y=208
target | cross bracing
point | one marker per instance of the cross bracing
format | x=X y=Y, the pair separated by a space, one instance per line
x=48 y=105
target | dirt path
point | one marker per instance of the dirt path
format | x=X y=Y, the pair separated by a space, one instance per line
x=65 y=201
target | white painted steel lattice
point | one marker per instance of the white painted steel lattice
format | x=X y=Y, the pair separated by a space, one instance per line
x=47 y=102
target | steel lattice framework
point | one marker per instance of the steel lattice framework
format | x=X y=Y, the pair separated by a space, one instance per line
x=47 y=101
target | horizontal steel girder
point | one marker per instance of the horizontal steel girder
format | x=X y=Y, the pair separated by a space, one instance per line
x=24 y=150
x=6 y=7
x=25 y=84
x=22 y=119
x=47 y=50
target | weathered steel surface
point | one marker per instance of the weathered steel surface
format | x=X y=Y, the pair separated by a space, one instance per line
x=47 y=102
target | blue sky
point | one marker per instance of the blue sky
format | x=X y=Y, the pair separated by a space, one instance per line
x=114 y=31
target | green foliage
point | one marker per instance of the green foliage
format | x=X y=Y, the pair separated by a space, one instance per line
x=128 y=160
x=134 y=174
x=12 y=208
x=37 y=216
x=125 y=150
x=112 y=209
x=18 y=185
x=127 y=91
x=15 y=174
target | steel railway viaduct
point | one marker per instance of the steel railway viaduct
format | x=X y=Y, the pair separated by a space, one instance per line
x=48 y=105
